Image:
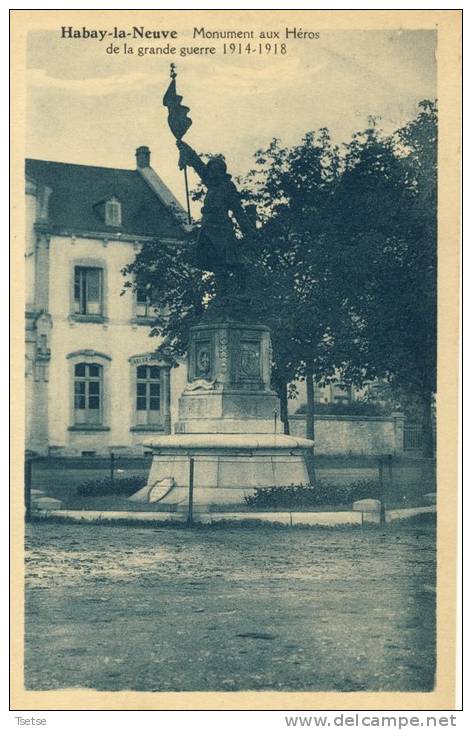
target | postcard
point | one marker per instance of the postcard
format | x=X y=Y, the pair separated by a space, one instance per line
x=235 y=287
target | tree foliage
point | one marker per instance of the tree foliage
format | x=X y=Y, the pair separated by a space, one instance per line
x=387 y=216
x=166 y=271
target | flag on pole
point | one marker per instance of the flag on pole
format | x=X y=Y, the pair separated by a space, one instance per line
x=179 y=123
x=177 y=118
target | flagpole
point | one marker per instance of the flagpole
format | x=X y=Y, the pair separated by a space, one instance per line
x=173 y=75
x=187 y=195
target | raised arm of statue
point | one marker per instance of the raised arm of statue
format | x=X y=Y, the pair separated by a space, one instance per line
x=189 y=157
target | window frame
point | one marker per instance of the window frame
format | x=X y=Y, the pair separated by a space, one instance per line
x=90 y=358
x=112 y=220
x=150 y=312
x=147 y=383
x=146 y=304
x=83 y=274
x=89 y=263
x=341 y=393
x=91 y=416
x=161 y=422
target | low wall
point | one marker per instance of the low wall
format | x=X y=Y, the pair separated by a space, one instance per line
x=371 y=435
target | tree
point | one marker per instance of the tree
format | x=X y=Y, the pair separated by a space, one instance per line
x=385 y=214
x=293 y=189
x=175 y=287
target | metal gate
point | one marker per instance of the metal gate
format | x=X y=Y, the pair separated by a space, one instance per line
x=412 y=437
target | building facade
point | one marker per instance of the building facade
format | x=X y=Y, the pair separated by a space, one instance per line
x=93 y=383
x=336 y=392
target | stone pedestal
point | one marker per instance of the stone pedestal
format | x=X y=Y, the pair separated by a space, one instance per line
x=228 y=388
x=228 y=421
x=227 y=467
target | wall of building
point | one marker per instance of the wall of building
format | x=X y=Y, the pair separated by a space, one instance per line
x=357 y=435
x=332 y=393
x=118 y=338
x=30 y=243
x=37 y=322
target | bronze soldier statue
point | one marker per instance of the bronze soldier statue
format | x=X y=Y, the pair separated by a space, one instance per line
x=218 y=249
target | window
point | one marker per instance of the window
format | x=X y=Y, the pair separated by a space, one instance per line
x=113 y=212
x=142 y=303
x=88 y=290
x=148 y=394
x=88 y=393
x=143 y=306
x=90 y=396
x=341 y=393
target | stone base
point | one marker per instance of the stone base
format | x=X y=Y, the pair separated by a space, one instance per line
x=46 y=503
x=233 y=405
x=204 y=498
x=227 y=467
x=225 y=426
x=370 y=509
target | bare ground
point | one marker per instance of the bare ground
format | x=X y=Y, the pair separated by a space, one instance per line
x=226 y=609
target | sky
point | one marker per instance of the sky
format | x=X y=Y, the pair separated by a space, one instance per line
x=87 y=107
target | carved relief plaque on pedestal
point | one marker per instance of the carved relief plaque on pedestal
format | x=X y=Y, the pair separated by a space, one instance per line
x=250 y=359
x=202 y=359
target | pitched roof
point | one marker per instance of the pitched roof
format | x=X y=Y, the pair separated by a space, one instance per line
x=78 y=190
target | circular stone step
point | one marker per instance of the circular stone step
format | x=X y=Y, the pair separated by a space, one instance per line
x=229 y=461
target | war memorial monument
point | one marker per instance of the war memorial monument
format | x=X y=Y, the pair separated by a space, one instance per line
x=228 y=422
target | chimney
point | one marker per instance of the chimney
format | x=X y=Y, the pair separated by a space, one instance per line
x=143 y=157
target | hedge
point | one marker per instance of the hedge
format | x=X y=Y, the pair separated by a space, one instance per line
x=322 y=493
x=103 y=487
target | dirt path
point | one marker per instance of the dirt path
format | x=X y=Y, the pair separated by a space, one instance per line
x=150 y=609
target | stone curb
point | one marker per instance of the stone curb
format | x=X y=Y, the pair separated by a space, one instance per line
x=289 y=519
x=406 y=512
